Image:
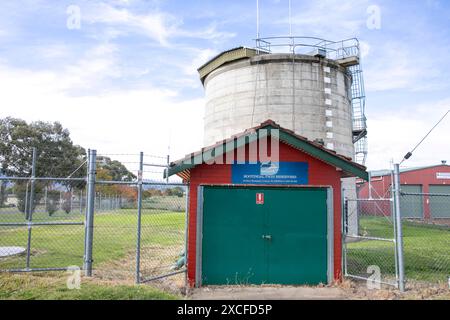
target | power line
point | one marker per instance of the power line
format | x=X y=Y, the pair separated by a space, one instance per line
x=409 y=154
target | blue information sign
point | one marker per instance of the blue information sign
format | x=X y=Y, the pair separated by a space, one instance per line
x=279 y=173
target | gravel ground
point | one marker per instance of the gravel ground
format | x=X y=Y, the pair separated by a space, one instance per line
x=343 y=291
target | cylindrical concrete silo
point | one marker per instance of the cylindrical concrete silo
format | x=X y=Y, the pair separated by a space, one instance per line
x=308 y=94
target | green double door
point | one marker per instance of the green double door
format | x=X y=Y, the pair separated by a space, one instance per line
x=253 y=235
x=440 y=205
x=411 y=205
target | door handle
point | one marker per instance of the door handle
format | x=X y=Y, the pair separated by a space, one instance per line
x=267 y=237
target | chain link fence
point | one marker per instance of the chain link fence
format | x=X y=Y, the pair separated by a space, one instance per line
x=163 y=232
x=426 y=238
x=370 y=252
x=41 y=224
x=132 y=229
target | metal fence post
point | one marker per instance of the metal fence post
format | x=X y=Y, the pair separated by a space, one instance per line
x=89 y=227
x=186 y=238
x=30 y=208
x=139 y=218
x=344 y=229
x=45 y=197
x=71 y=200
x=81 y=201
x=398 y=226
x=168 y=167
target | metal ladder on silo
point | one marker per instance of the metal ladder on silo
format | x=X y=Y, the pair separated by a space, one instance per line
x=358 y=99
x=358 y=111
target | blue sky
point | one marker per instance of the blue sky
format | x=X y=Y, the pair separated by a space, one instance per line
x=126 y=80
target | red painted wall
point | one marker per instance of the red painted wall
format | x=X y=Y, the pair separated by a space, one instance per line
x=424 y=177
x=320 y=174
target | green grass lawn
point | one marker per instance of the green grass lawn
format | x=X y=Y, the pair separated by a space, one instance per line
x=426 y=250
x=173 y=203
x=113 y=253
x=33 y=287
x=114 y=237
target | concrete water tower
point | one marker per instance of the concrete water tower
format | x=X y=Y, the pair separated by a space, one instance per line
x=309 y=85
x=316 y=90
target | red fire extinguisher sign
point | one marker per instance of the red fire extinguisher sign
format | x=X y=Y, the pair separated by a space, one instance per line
x=260 y=198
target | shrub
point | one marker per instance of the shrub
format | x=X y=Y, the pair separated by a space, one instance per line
x=52 y=202
x=67 y=202
x=20 y=190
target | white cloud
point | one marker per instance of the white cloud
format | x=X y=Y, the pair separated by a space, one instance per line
x=156 y=25
x=200 y=57
x=334 y=18
x=125 y=121
x=209 y=33
x=364 y=48
x=393 y=66
x=392 y=134
x=392 y=69
x=53 y=51
x=88 y=73
x=97 y=64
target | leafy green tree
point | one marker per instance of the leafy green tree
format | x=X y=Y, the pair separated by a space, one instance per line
x=115 y=169
x=57 y=156
x=22 y=190
x=177 y=191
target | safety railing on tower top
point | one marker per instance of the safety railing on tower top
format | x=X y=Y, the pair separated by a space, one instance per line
x=334 y=50
x=307 y=45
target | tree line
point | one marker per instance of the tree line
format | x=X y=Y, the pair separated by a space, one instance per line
x=57 y=156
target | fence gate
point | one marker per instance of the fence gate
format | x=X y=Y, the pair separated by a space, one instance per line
x=114 y=229
x=42 y=224
x=369 y=250
x=162 y=233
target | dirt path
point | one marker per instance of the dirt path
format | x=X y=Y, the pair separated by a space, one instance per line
x=268 y=293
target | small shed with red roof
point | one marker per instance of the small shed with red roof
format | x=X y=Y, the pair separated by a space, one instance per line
x=265 y=208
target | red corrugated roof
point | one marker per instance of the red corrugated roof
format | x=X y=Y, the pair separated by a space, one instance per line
x=261 y=126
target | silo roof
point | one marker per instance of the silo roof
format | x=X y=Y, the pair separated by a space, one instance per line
x=223 y=58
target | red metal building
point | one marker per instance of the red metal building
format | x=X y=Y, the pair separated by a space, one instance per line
x=209 y=168
x=429 y=181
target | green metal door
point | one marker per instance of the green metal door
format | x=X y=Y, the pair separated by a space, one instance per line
x=297 y=224
x=282 y=241
x=440 y=205
x=232 y=249
x=411 y=203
